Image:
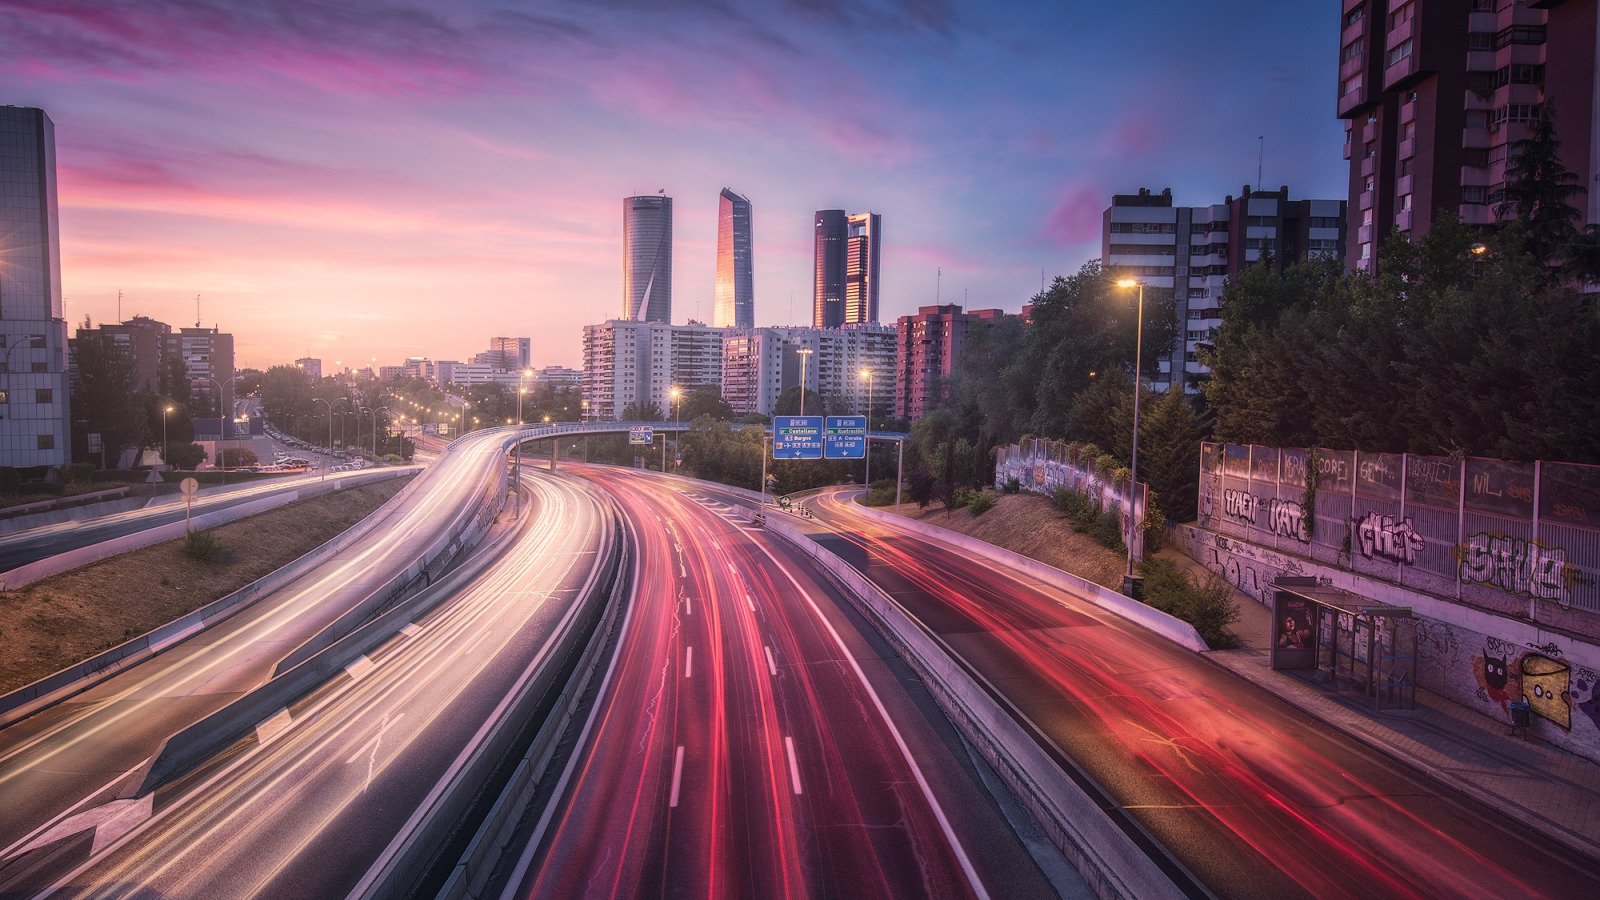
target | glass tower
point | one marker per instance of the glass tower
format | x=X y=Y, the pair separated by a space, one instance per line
x=827 y=302
x=735 y=302
x=647 y=258
x=33 y=336
x=864 y=233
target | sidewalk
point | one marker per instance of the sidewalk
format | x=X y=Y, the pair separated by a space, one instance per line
x=1540 y=786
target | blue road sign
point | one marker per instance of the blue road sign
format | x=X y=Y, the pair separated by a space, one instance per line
x=797 y=437
x=844 y=437
x=641 y=434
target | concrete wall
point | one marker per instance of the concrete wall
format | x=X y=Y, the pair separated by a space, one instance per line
x=1480 y=659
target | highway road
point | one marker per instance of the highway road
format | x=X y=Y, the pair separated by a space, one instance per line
x=1254 y=797
x=19 y=548
x=307 y=807
x=71 y=758
x=753 y=741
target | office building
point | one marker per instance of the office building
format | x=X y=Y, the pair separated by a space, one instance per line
x=863 y=246
x=1188 y=253
x=647 y=258
x=845 y=280
x=636 y=364
x=1435 y=93
x=735 y=301
x=558 y=376
x=928 y=346
x=508 y=353
x=34 y=394
x=311 y=367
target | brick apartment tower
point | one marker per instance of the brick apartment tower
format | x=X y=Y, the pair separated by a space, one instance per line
x=1435 y=92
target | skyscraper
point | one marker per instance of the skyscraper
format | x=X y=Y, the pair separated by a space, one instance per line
x=864 y=233
x=827 y=303
x=34 y=390
x=647 y=258
x=736 y=304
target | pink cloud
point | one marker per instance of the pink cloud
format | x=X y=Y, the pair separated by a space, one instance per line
x=1076 y=217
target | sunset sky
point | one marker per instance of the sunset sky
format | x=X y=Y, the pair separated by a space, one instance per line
x=360 y=178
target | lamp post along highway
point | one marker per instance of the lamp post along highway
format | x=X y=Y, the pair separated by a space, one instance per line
x=328 y=462
x=1129 y=582
x=866 y=476
x=805 y=354
x=166 y=448
x=677 y=438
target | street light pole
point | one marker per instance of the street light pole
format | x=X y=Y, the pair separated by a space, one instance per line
x=677 y=436
x=805 y=354
x=866 y=476
x=375 y=432
x=1133 y=473
x=166 y=448
x=327 y=463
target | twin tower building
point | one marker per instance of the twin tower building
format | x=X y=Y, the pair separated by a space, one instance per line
x=845 y=287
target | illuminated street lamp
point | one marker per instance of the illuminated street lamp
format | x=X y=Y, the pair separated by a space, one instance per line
x=327 y=463
x=805 y=354
x=866 y=476
x=676 y=394
x=166 y=448
x=1133 y=473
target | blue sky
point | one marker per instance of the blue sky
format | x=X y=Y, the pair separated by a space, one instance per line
x=376 y=179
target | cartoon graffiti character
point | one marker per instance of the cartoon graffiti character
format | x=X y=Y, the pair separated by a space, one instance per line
x=1492 y=677
x=1546 y=685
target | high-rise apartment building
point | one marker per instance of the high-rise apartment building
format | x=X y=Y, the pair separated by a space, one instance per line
x=1189 y=252
x=735 y=300
x=208 y=355
x=1435 y=93
x=647 y=258
x=311 y=366
x=759 y=364
x=863 y=246
x=928 y=346
x=508 y=352
x=630 y=363
x=831 y=228
x=141 y=339
x=34 y=390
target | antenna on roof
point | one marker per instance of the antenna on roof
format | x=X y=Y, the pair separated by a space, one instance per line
x=119 y=306
x=1261 y=155
x=197 y=310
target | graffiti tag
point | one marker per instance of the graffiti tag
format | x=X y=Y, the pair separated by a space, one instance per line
x=1240 y=505
x=1516 y=566
x=1381 y=536
x=1287 y=518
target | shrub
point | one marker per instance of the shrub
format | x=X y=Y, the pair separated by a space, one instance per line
x=1012 y=486
x=1207 y=604
x=961 y=498
x=10 y=480
x=77 y=473
x=187 y=456
x=981 y=503
x=880 y=495
x=204 y=546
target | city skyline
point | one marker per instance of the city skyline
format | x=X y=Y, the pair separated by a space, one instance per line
x=328 y=187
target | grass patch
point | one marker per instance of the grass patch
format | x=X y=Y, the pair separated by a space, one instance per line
x=205 y=546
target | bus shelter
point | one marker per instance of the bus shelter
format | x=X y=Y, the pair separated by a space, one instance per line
x=1349 y=639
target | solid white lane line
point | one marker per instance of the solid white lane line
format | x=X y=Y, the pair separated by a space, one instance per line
x=794 y=768
x=677 y=777
x=269 y=730
x=688 y=662
x=771 y=665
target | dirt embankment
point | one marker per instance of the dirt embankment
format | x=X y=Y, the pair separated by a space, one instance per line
x=59 y=621
x=1031 y=525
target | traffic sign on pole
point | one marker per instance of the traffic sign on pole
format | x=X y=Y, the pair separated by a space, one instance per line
x=641 y=434
x=797 y=437
x=844 y=437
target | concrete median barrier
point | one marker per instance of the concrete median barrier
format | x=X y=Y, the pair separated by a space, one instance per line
x=1110 y=861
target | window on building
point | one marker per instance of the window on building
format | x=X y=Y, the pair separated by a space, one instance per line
x=1519 y=34
x=1366 y=249
x=43 y=395
x=1480 y=40
x=1475 y=158
x=1352 y=49
x=1404 y=202
x=1400 y=52
x=1402 y=15
x=1366 y=216
x=1404 y=168
x=1474 y=194
x=41 y=367
x=1354 y=16
x=1324 y=222
x=1351 y=85
x=47 y=442
x=1513 y=112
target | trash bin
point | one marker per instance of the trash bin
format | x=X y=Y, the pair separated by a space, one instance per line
x=1520 y=716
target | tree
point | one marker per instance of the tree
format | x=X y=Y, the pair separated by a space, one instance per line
x=1540 y=190
x=286 y=395
x=172 y=381
x=641 y=412
x=106 y=398
x=187 y=456
x=705 y=400
x=1169 y=453
x=237 y=457
x=788 y=403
